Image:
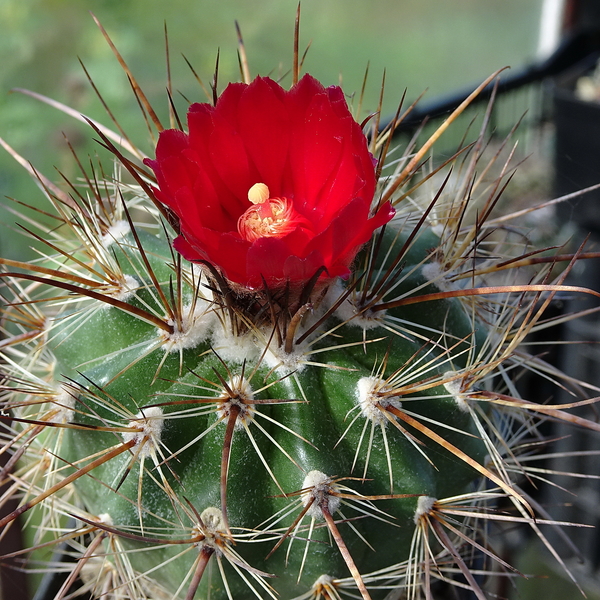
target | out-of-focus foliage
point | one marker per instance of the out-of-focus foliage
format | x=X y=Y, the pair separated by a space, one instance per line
x=431 y=44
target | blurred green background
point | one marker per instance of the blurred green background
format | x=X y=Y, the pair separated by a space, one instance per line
x=433 y=45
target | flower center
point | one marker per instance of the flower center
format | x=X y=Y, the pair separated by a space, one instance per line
x=268 y=217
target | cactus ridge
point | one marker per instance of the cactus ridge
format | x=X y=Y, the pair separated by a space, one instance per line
x=183 y=437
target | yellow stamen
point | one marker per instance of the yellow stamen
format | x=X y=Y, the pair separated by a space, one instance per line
x=269 y=217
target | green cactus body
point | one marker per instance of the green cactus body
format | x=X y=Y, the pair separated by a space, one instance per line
x=294 y=419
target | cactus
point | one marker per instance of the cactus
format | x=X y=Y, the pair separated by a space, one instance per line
x=266 y=364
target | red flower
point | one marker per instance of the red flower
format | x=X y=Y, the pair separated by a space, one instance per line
x=270 y=184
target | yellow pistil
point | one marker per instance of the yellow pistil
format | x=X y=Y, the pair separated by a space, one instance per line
x=268 y=217
x=258 y=193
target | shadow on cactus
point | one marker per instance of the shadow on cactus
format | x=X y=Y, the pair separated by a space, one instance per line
x=263 y=363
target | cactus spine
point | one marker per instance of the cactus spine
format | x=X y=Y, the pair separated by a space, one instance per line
x=188 y=436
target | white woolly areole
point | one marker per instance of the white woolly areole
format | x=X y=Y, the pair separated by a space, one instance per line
x=454 y=388
x=317 y=485
x=212 y=519
x=324 y=581
x=196 y=274
x=194 y=328
x=198 y=271
x=348 y=312
x=211 y=529
x=233 y=348
x=334 y=292
x=148 y=425
x=438 y=228
x=105 y=519
x=117 y=231
x=434 y=273
x=370 y=398
x=284 y=362
x=424 y=507
x=243 y=395
x=64 y=405
x=125 y=288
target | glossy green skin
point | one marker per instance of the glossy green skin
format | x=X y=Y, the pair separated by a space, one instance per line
x=252 y=495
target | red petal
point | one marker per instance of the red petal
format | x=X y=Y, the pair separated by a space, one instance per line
x=172 y=142
x=315 y=151
x=335 y=242
x=302 y=269
x=227 y=150
x=171 y=174
x=352 y=228
x=232 y=252
x=299 y=97
x=264 y=124
x=355 y=175
x=265 y=259
x=225 y=251
x=209 y=189
x=187 y=250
